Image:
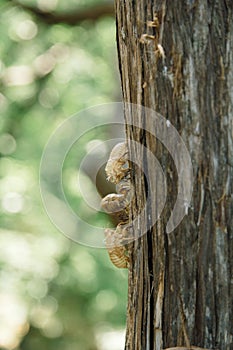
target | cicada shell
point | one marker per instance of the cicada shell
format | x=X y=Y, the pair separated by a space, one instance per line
x=118 y=257
x=117 y=165
x=116 y=250
x=116 y=205
x=125 y=188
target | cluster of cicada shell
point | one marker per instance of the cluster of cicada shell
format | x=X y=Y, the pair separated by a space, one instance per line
x=117 y=204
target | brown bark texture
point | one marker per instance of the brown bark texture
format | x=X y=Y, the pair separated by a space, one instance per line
x=176 y=57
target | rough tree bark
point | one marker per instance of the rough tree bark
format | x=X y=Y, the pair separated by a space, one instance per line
x=180 y=64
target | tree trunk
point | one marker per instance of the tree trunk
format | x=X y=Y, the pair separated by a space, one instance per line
x=176 y=57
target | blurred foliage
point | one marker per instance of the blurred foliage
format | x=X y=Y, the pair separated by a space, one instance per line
x=54 y=294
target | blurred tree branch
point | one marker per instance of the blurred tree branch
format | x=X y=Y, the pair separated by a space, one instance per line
x=92 y=13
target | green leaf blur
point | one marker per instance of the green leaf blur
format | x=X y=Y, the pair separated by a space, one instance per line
x=54 y=293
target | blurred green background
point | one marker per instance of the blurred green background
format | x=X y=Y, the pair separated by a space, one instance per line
x=54 y=293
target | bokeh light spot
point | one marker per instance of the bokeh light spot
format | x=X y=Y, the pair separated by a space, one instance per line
x=13 y=202
x=26 y=30
x=44 y=64
x=7 y=144
x=18 y=75
x=106 y=300
x=48 y=97
x=46 y=5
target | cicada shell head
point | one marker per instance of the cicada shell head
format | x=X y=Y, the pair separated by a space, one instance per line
x=117 y=165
